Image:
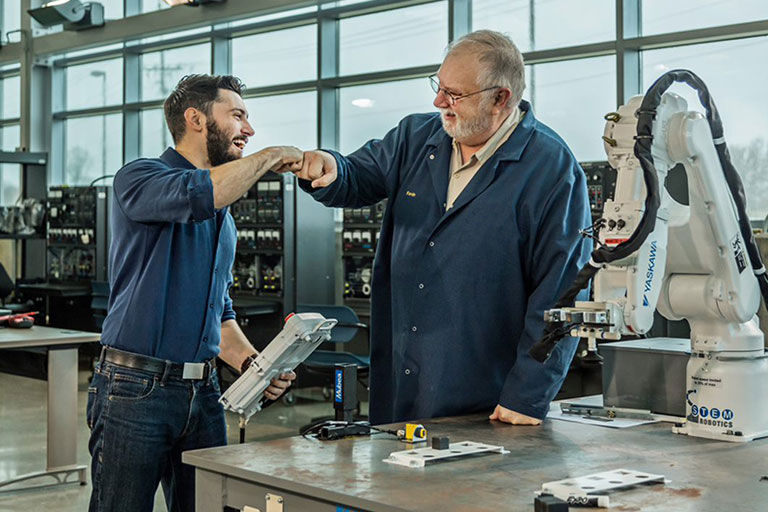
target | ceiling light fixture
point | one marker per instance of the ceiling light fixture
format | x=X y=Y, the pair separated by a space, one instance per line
x=73 y=14
x=363 y=102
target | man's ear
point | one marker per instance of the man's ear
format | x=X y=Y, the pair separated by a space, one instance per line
x=195 y=119
x=502 y=97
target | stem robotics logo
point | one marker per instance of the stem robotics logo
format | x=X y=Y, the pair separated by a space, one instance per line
x=711 y=416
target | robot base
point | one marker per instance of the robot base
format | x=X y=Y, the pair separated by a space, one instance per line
x=707 y=432
x=725 y=397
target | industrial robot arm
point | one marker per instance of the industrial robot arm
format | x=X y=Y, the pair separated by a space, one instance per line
x=697 y=262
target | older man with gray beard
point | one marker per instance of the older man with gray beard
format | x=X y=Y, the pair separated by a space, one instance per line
x=481 y=235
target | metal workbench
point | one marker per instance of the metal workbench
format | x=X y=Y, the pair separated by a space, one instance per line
x=310 y=475
x=61 y=450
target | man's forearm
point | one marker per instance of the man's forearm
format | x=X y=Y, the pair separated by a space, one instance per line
x=235 y=347
x=233 y=179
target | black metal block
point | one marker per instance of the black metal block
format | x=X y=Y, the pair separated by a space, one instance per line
x=441 y=443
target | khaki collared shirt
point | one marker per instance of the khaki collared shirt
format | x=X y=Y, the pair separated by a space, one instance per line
x=462 y=173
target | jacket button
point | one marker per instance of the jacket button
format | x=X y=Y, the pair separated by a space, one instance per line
x=407 y=371
x=414 y=328
x=431 y=157
x=210 y=306
x=431 y=244
x=205 y=338
x=421 y=286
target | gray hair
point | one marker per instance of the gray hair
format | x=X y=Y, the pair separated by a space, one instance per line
x=502 y=60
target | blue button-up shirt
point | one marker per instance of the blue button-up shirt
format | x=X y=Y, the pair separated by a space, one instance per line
x=170 y=261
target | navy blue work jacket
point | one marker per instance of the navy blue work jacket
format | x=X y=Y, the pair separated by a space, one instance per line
x=459 y=296
x=170 y=261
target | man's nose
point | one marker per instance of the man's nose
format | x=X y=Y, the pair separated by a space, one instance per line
x=248 y=129
x=441 y=100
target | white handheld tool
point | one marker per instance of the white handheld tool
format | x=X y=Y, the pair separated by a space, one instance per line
x=300 y=336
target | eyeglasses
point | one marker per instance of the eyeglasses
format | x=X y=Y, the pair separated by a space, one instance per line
x=452 y=97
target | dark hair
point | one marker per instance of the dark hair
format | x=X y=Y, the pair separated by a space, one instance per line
x=196 y=91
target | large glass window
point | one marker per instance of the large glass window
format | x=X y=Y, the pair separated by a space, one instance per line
x=399 y=38
x=743 y=104
x=10 y=95
x=10 y=174
x=113 y=9
x=284 y=120
x=96 y=84
x=661 y=16
x=161 y=71
x=572 y=97
x=93 y=147
x=10 y=184
x=155 y=137
x=276 y=57
x=9 y=137
x=10 y=18
x=544 y=24
x=370 y=111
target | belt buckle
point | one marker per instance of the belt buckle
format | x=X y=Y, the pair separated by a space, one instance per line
x=195 y=371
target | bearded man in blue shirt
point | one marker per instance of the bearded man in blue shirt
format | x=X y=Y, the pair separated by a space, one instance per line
x=155 y=391
x=480 y=237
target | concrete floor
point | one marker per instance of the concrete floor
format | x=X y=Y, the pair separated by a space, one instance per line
x=23 y=440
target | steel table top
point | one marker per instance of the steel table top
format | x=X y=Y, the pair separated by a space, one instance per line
x=702 y=475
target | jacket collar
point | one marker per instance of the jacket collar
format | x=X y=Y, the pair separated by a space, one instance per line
x=174 y=159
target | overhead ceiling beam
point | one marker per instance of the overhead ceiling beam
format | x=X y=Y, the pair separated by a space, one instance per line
x=151 y=24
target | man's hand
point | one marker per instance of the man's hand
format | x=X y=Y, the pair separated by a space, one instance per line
x=279 y=385
x=288 y=158
x=318 y=167
x=515 y=418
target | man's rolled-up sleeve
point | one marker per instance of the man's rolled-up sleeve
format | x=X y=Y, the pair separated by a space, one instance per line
x=559 y=252
x=229 y=310
x=149 y=192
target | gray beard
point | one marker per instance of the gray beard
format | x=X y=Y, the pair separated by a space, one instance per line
x=468 y=128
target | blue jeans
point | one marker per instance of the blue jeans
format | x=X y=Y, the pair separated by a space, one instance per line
x=140 y=424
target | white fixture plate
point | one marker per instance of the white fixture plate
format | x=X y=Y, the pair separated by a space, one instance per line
x=590 y=484
x=419 y=457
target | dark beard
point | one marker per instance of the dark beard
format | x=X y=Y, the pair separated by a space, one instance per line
x=218 y=145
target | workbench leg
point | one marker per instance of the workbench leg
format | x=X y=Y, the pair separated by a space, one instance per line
x=62 y=408
x=210 y=491
x=62 y=422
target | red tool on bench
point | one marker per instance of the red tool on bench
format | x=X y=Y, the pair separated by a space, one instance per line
x=19 y=320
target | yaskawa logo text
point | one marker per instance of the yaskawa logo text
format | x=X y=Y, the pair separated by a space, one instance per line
x=649 y=273
x=337 y=391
